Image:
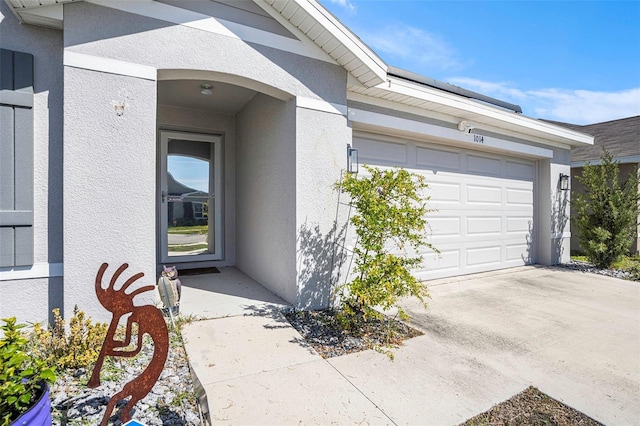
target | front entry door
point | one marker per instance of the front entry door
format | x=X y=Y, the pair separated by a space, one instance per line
x=190 y=197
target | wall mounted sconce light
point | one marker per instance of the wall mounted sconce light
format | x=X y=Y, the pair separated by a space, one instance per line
x=206 y=89
x=564 y=182
x=352 y=159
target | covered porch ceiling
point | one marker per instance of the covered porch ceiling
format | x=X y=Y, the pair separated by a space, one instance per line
x=222 y=98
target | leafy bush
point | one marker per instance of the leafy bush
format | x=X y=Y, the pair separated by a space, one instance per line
x=79 y=348
x=389 y=221
x=606 y=213
x=21 y=373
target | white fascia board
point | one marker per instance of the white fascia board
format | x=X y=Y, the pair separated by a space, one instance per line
x=199 y=21
x=560 y=134
x=38 y=270
x=346 y=37
x=45 y=16
x=430 y=130
x=631 y=159
x=422 y=112
x=320 y=105
x=294 y=30
x=108 y=65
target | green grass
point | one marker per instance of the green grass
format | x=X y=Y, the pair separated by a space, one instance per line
x=629 y=263
x=189 y=230
x=188 y=247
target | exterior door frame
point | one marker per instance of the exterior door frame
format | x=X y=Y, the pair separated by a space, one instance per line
x=216 y=232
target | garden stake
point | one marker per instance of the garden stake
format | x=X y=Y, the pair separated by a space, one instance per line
x=149 y=320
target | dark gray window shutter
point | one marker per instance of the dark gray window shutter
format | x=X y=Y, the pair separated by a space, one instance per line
x=16 y=158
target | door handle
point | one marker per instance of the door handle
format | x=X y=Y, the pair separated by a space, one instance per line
x=164 y=195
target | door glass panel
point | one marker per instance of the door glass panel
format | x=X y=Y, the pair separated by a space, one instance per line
x=189 y=201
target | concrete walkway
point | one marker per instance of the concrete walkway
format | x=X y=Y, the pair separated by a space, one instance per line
x=487 y=337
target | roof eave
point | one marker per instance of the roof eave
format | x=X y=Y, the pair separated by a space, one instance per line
x=411 y=94
x=364 y=65
x=43 y=13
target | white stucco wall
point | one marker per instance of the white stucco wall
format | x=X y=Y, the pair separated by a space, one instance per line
x=265 y=218
x=553 y=210
x=321 y=155
x=110 y=33
x=32 y=299
x=200 y=121
x=109 y=183
x=266 y=194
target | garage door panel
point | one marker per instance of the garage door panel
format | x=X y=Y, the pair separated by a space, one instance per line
x=520 y=171
x=484 y=194
x=445 y=227
x=484 y=205
x=484 y=225
x=441 y=192
x=520 y=196
x=445 y=261
x=519 y=253
x=435 y=159
x=382 y=152
x=484 y=166
x=519 y=224
x=491 y=255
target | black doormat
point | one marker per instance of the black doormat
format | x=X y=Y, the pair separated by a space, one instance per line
x=199 y=271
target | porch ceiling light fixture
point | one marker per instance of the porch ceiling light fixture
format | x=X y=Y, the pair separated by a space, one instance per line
x=564 y=182
x=352 y=159
x=206 y=88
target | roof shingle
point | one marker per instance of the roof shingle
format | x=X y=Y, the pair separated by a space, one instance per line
x=620 y=137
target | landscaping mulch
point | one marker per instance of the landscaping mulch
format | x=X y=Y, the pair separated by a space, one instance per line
x=531 y=407
x=322 y=331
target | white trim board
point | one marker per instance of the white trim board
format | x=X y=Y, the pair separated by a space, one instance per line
x=199 y=21
x=38 y=270
x=416 y=91
x=108 y=65
x=470 y=140
x=320 y=105
x=621 y=160
x=337 y=30
x=448 y=118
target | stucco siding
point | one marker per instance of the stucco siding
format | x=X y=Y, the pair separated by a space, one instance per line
x=266 y=194
x=109 y=33
x=109 y=182
x=201 y=121
x=321 y=156
x=46 y=47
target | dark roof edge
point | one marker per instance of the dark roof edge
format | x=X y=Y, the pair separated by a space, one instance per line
x=427 y=81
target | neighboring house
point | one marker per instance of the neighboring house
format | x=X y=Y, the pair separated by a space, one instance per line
x=621 y=138
x=97 y=95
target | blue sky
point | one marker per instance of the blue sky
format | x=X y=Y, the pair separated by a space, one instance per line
x=572 y=61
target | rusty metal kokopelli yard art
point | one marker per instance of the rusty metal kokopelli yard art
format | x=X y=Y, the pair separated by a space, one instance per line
x=148 y=320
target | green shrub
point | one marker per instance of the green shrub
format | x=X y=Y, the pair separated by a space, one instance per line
x=606 y=213
x=21 y=373
x=389 y=220
x=77 y=348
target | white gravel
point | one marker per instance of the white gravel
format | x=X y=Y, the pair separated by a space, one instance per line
x=590 y=268
x=171 y=401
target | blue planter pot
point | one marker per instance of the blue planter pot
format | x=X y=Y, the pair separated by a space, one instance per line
x=40 y=413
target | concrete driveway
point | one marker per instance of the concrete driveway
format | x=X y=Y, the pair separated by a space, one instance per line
x=487 y=337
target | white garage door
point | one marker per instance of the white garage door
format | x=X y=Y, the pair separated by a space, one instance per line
x=484 y=202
